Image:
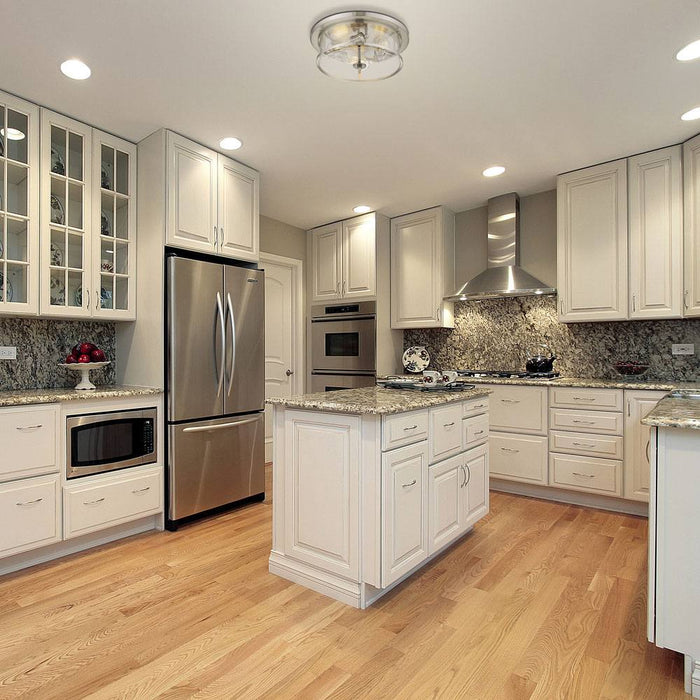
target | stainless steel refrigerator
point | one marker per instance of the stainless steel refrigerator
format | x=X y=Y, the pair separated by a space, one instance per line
x=215 y=385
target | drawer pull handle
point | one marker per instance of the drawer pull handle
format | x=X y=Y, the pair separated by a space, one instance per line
x=410 y=427
x=509 y=449
x=146 y=488
x=584 y=476
x=92 y=503
x=479 y=405
x=583 y=444
x=583 y=422
x=584 y=398
x=29 y=503
x=448 y=425
x=30 y=427
x=646 y=449
x=478 y=432
x=510 y=400
x=412 y=483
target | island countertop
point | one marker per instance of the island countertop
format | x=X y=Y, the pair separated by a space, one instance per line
x=34 y=396
x=376 y=400
x=675 y=412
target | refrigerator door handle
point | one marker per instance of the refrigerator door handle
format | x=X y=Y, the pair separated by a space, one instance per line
x=219 y=426
x=233 y=342
x=222 y=363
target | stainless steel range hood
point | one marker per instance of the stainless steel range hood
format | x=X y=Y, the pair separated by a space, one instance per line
x=503 y=277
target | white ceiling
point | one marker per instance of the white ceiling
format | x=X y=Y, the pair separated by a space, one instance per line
x=541 y=87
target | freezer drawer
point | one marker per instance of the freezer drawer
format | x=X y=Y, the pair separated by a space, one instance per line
x=215 y=462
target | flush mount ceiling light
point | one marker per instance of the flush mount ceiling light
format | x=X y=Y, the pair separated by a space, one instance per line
x=362 y=209
x=359 y=45
x=689 y=52
x=691 y=114
x=493 y=171
x=73 y=68
x=230 y=143
x=12 y=134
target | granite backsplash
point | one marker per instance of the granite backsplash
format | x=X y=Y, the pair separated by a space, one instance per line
x=498 y=333
x=42 y=344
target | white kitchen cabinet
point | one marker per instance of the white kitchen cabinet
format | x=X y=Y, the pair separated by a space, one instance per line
x=344 y=259
x=516 y=457
x=19 y=208
x=445 y=485
x=445 y=431
x=637 y=466
x=405 y=510
x=520 y=409
x=213 y=201
x=422 y=269
x=475 y=492
x=592 y=243
x=691 y=200
x=655 y=207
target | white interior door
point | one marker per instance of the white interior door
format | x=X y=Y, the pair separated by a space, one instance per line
x=283 y=333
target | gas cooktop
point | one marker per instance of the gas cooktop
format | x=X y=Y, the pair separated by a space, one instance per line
x=506 y=374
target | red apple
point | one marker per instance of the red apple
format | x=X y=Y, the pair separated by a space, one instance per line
x=76 y=351
x=87 y=348
x=84 y=358
x=97 y=355
x=70 y=359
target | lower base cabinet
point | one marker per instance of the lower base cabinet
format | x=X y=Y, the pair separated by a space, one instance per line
x=518 y=457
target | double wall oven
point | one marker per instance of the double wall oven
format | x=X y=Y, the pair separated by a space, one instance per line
x=343 y=346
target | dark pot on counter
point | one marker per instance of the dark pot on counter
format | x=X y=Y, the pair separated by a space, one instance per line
x=540 y=362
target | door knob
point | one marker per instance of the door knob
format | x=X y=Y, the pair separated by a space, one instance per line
x=289 y=372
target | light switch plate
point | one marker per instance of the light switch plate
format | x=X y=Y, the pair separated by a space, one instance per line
x=8 y=352
x=683 y=349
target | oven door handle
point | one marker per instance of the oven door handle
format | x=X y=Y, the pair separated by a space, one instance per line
x=220 y=426
x=335 y=319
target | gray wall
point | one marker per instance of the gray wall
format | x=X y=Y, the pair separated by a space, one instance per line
x=282 y=239
x=538 y=239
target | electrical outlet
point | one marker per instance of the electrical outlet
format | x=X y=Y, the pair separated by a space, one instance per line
x=8 y=352
x=683 y=349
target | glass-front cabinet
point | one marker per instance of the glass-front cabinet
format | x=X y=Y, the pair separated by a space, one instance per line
x=19 y=206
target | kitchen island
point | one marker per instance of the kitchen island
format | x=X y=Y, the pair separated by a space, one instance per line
x=369 y=484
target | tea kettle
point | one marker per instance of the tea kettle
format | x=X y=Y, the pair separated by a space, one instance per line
x=540 y=362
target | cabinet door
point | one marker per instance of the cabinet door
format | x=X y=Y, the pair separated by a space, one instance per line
x=445 y=482
x=238 y=216
x=521 y=409
x=637 y=450
x=691 y=199
x=66 y=199
x=321 y=511
x=19 y=207
x=113 y=291
x=592 y=243
x=656 y=234
x=404 y=511
x=191 y=176
x=445 y=432
x=326 y=262
x=417 y=274
x=474 y=494
x=359 y=258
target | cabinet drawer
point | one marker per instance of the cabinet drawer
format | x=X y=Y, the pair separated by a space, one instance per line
x=29 y=514
x=28 y=439
x=475 y=430
x=607 y=446
x=518 y=457
x=445 y=431
x=475 y=407
x=96 y=505
x=520 y=409
x=586 y=474
x=404 y=429
x=593 y=399
x=586 y=421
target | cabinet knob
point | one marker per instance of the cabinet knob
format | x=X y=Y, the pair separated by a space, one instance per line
x=289 y=372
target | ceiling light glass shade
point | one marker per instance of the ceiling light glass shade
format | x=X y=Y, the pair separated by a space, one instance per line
x=689 y=52
x=73 y=68
x=493 y=171
x=691 y=114
x=360 y=46
x=230 y=143
x=362 y=209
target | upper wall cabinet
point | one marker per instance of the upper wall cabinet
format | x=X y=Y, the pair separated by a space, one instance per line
x=213 y=201
x=691 y=288
x=422 y=269
x=88 y=221
x=19 y=206
x=344 y=259
x=655 y=205
x=592 y=243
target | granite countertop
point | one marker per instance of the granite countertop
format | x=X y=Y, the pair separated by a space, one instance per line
x=675 y=412
x=375 y=400
x=32 y=396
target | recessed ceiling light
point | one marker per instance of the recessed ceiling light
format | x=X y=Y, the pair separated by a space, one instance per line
x=691 y=114
x=493 y=171
x=73 y=68
x=230 y=143
x=362 y=209
x=12 y=134
x=689 y=52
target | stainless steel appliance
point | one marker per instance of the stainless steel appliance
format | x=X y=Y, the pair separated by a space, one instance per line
x=104 y=442
x=343 y=346
x=215 y=385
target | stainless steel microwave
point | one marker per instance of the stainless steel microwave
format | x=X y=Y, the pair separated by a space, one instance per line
x=103 y=442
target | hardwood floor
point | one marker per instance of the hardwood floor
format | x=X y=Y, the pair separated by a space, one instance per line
x=542 y=600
